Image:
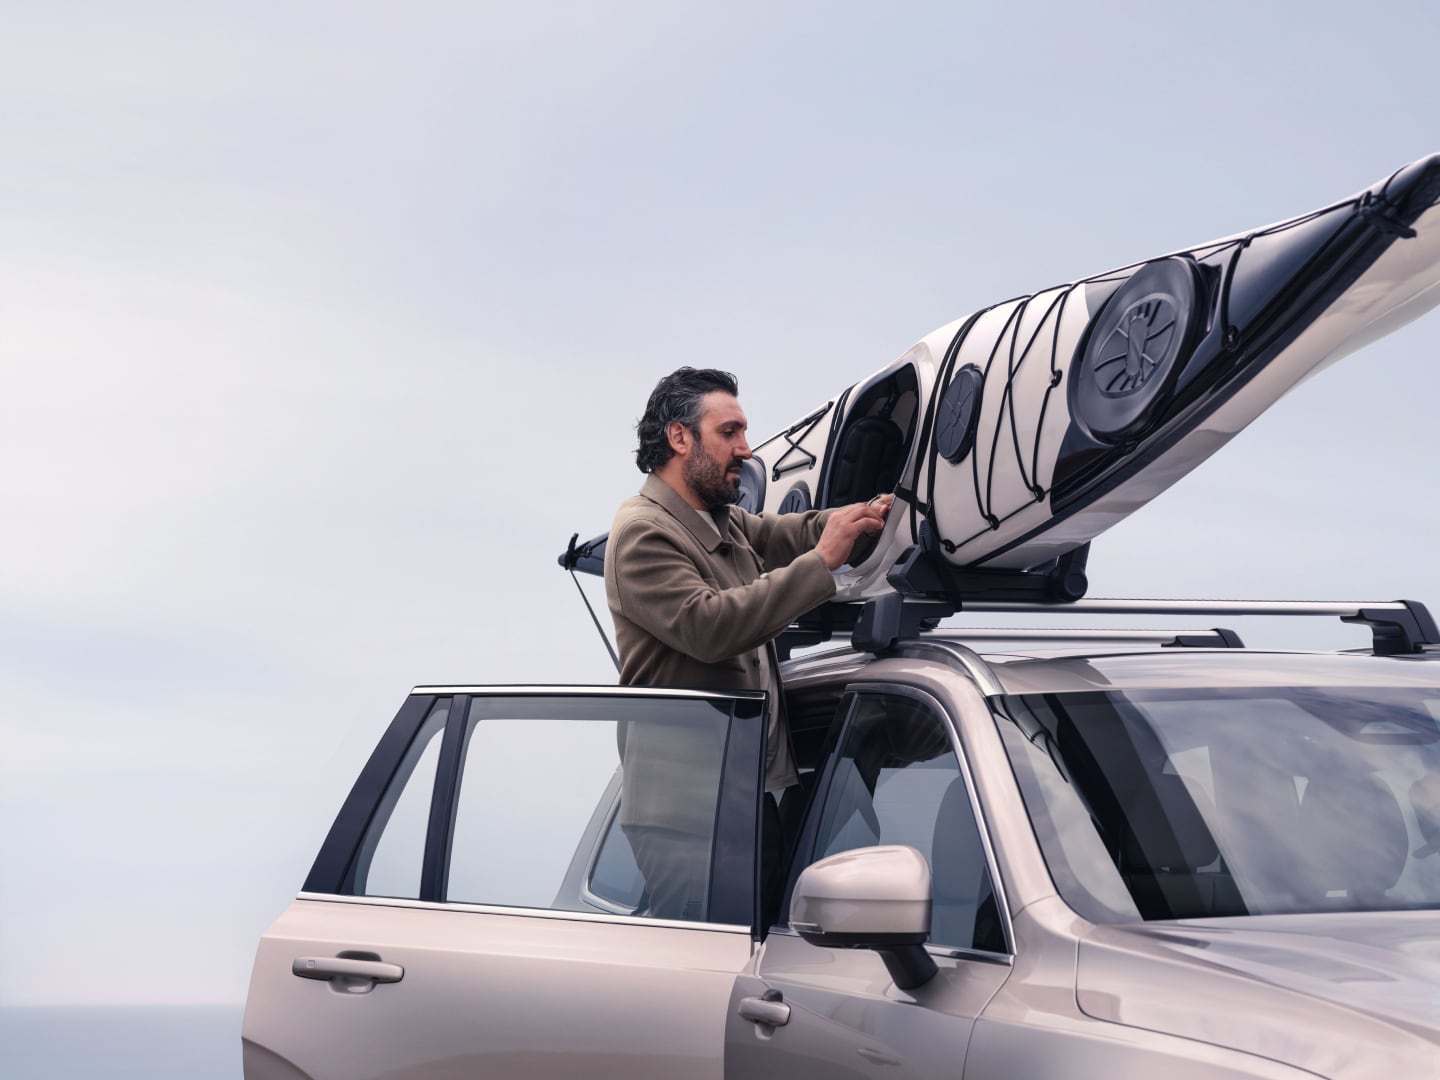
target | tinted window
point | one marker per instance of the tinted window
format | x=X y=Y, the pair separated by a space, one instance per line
x=897 y=781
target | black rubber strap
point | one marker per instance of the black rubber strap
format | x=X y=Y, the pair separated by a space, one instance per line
x=1056 y=377
x=912 y=497
x=926 y=428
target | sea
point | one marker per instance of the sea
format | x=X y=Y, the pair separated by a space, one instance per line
x=186 y=1042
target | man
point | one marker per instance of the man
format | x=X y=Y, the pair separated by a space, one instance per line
x=699 y=588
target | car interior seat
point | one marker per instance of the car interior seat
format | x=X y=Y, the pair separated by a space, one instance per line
x=1356 y=842
x=1425 y=802
x=964 y=913
x=1169 y=858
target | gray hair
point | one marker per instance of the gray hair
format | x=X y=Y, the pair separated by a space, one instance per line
x=678 y=398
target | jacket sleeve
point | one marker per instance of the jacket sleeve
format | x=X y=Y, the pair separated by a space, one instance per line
x=779 y=539
x=660 y=588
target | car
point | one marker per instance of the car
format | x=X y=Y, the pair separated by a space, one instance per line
x=1036 y=852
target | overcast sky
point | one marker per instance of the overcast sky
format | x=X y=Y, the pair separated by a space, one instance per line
x=323 y=327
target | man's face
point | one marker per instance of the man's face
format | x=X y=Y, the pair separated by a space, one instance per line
x=712 y=468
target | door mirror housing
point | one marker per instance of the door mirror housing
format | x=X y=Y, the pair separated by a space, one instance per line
x=870 y=898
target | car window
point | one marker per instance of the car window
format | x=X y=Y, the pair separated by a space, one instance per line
x=536 y=811
x=610 y=801
x=896 y=780
x=1224 y=802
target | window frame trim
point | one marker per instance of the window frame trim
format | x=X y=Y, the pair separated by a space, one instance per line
x=435 y=869
x=458 y=907
x=332 y=870
x=739 y=783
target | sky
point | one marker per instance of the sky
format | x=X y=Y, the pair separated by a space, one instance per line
x=324 y=326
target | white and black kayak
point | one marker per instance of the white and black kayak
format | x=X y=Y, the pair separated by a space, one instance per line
x=1014 y=436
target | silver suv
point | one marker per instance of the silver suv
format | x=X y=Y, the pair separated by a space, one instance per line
x=1014 y=853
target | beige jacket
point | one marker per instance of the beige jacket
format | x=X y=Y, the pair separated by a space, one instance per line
x=698 y=608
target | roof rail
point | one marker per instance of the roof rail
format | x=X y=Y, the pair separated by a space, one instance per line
x=1398 y=627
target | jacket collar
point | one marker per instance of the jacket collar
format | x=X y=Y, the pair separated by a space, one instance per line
x=661 y=493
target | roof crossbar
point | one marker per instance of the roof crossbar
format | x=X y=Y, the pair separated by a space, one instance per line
x=1217 y=637
x=1398 y=627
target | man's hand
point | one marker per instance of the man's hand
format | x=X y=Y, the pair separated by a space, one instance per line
x=847 y=524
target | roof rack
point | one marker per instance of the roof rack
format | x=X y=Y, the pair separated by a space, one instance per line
x=1398 y=627
x=928 y=590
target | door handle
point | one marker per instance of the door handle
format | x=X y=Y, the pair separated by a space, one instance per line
x=765 y=1010
x=345 y=967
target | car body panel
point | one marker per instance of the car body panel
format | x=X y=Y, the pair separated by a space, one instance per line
x=848 y=1019
x=1343 y=995
x=491 y=994
x=1034 y=1027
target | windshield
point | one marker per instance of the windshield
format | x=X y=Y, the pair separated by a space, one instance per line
x=1197 y=803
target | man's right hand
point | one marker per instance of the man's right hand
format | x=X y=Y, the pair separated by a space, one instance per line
x=846 y=525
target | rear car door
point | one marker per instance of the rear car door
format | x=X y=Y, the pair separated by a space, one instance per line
x=895 y=776
x=536 y=882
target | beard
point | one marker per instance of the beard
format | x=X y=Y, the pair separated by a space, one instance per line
x=707 y=478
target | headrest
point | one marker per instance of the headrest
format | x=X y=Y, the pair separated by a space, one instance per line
x=1354 y=834
x=1168 y=828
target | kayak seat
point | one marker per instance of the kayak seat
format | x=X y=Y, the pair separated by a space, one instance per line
x=867 y=462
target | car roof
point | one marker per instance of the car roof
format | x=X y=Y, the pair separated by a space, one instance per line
x=1052 y=667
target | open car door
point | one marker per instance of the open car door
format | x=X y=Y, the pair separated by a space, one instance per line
x=476 y=910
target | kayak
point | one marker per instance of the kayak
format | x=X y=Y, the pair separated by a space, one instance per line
x=1014 y=436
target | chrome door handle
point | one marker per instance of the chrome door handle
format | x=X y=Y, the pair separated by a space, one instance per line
x=765 y=1010
x=343 y=967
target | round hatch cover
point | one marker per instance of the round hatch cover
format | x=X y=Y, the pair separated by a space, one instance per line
x=958 y=415
x=797 y=500
x=752 y=486
x=1126 y=367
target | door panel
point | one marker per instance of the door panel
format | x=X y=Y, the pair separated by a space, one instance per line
x=847 y=1019
x=493 y=995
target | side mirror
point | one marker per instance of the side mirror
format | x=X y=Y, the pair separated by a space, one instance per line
x=870 y=898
